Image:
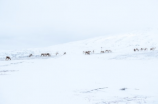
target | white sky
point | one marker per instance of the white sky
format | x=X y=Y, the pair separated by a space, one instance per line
x=39 y=23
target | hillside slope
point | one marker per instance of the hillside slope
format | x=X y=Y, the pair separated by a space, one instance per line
x=119 y=44
x=120 y=77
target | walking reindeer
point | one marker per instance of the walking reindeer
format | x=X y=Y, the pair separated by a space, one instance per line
x=7 y=58
x=45 y=54
x=30 y=55
x=152 y=49
x=87 y=52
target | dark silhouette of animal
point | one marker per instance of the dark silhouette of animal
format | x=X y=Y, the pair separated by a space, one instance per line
x=152 y=49
x=108 y=51
x=7 y=58
x=87 y=52
x=136 y=49
x=57 y=53
x=48 y=54
x=102 y=52
x=64 y=53
x=45 y=54
x=30 y=55
x=143 y=49
x=42 y=54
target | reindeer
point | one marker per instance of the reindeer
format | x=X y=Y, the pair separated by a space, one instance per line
x=152 y=49
x=42 y=54
x=57 y=53
x=145 y=49
x=64 y=53
x=108 y=51
x=87 y=52
x=30 y=55
x=101 y=51
x=142 y=49
x=136 y=49
x=7 y=58
x=45 y=54
x=48 y=54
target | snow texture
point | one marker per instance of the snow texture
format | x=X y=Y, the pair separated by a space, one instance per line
x=120 y=77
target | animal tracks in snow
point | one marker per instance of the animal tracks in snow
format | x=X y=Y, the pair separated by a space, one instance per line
x=6 y=71
x=106 y=95
x=13 y=63
x=125 y=100
x=93 y=90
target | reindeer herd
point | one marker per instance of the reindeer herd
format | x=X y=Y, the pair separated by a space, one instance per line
x=106 y=51
x=86 y=52
x=89 y=52
x=144 y=49
x=42 y=55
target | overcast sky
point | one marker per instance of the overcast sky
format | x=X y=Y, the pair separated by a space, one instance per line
x=40 y=23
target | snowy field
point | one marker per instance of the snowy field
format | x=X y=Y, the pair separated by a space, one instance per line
x=120 y=77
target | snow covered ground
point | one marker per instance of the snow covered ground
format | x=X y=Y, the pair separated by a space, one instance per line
x=120 y=77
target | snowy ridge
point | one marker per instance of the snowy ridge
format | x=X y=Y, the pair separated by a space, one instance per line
x=119 y=44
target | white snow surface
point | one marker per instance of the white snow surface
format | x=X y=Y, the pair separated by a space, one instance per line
x=120 y=77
